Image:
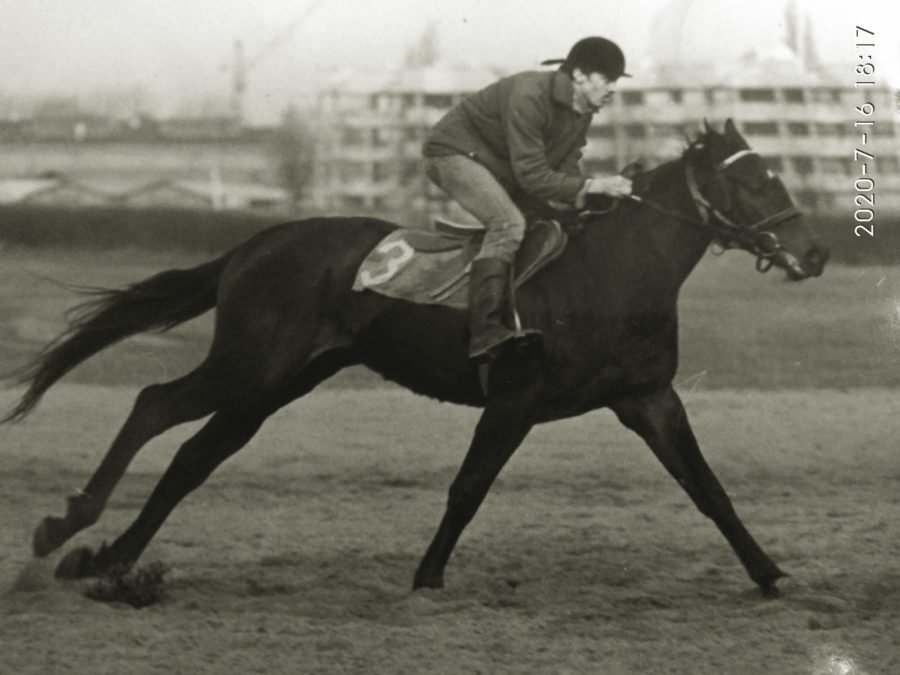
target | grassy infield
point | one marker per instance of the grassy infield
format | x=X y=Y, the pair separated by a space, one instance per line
x=739 y=330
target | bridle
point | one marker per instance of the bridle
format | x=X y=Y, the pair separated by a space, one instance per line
x=758 y=237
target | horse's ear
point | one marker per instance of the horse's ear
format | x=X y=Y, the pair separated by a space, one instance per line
x=707 y=128
x=731 y=129
x=632 y=170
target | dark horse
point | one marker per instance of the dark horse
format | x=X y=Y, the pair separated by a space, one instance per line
x=287 y=319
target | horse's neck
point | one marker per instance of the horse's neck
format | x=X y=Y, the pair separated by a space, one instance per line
x=678 y=244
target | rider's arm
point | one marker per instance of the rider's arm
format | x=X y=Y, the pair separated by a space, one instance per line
x=571 y=164
x=523 y=120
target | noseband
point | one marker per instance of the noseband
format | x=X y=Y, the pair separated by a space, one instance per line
x=757 y=237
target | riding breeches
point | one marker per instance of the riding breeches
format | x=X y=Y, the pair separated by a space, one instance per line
x=479 y=193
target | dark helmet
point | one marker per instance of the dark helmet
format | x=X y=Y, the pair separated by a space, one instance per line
x=594 y=55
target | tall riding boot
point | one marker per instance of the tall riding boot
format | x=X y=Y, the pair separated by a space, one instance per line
x=491 y=312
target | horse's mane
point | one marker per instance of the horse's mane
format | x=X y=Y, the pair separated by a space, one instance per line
x=645 y=181
x=658 y=177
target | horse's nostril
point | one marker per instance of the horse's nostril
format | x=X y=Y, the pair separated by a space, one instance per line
x=816 y=258
x=815 y=255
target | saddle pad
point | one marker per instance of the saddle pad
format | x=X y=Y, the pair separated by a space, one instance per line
x=432 y=268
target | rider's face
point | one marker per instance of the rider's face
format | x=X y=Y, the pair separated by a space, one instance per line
x=592 y=91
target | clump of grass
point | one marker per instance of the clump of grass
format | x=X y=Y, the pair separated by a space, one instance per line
x=138 y=587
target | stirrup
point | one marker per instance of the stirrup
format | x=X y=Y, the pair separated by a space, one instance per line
x=514 y=342
x=525 y=341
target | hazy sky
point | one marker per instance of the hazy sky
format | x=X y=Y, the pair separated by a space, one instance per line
x=182 y=49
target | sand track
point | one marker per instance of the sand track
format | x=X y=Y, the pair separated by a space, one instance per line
x=297 y=556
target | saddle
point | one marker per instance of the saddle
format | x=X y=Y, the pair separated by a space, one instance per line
x=432 y=266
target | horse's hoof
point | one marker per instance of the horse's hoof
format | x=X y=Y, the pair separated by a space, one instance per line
x=428 y=581
x=78 y=564
x=771 y=591
x=770 y=588
x=48 y=536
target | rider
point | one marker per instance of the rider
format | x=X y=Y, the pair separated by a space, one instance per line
x=520 y=138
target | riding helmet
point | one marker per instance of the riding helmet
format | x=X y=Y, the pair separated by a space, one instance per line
x=594 y=55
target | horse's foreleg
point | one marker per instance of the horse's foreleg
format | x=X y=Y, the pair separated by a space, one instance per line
x=507 y=419
x=156 y=409
x=222 y=436
x=660 y=419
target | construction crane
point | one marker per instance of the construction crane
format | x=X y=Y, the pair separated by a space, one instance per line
x=242 y=65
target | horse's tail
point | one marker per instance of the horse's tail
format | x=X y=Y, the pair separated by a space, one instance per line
x=157 y=303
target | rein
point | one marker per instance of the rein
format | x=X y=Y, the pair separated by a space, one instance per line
x=757 y=237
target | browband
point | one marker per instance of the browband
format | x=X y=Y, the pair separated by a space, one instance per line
x=735 y=157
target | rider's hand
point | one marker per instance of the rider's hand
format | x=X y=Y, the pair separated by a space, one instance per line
x=613 y=186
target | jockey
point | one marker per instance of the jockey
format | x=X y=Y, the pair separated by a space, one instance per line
x=520 y=138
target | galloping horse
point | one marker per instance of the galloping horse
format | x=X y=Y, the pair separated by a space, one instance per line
x=287 y=319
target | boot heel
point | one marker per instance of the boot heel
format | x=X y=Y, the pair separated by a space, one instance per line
x=491 y=309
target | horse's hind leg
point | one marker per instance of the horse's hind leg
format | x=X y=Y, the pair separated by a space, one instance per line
x=157 y=408
x=223 y=435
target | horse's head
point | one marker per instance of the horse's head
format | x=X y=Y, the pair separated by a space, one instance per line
x=748 y=206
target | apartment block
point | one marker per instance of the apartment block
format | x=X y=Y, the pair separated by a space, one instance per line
x=804 y=122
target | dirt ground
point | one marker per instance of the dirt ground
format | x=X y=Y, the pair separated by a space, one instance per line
x=297 y=555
